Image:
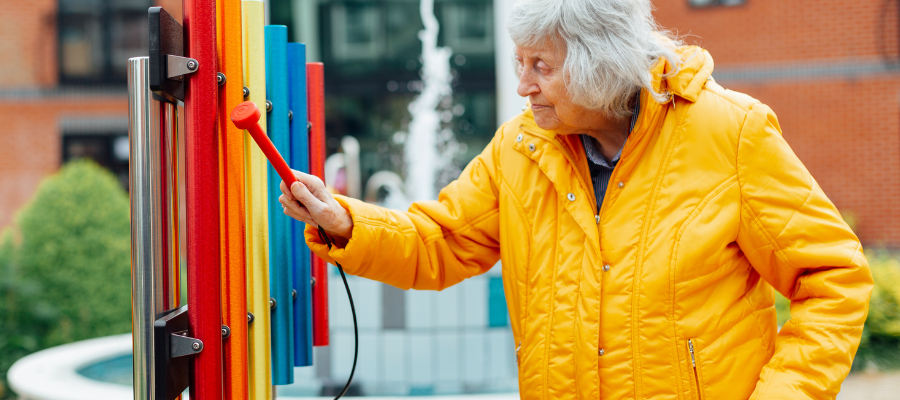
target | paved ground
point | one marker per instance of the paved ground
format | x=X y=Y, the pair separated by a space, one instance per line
x=871 y=386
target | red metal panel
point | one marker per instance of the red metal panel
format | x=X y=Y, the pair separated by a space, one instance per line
x=231 y=192
x=315 y=78
x=201 y=196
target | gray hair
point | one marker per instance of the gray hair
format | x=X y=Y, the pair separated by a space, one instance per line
x=611 y=45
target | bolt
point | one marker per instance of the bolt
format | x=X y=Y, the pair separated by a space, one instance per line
x=250 y=318
x=226 y=331
x=294 y=294
x=312 y=281
x=195 y=346
x=309 y=126
x=246 y=91
x=220 y=78
x=290 y=115
x=268 y=106
x=272 y=303
x=192 y=65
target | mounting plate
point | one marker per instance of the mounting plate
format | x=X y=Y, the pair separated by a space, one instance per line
x=166 y=39
x=170 y=346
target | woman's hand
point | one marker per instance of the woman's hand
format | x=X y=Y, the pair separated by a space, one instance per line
x=309 y=201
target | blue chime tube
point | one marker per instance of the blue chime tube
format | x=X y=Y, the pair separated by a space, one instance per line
x=299 y=159
x=280 y=234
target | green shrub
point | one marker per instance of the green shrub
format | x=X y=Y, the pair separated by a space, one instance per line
x=65 y=264
x=880 y=343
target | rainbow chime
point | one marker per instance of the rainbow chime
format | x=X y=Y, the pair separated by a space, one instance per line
x=257 y=297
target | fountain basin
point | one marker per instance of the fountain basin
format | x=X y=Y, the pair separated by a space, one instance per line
x=53 y=374
x=101 y=369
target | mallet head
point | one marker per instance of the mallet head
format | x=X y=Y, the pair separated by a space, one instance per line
x=245 y=115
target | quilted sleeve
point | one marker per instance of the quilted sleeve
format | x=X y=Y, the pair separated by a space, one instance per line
x=435 y=244
x=797 y=241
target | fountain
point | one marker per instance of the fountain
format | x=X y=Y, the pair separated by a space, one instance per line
x=428 y=149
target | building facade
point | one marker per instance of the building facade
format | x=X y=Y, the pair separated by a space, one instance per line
x=830 y=69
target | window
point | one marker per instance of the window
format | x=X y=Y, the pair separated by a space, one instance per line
x=498 y=316
x=104 y=140
x=97 y=37
x=710 y=3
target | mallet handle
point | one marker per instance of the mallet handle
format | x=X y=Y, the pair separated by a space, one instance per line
x=246 y=116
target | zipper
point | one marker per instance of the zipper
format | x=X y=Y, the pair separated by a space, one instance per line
x=690 y=343
x=519 y=347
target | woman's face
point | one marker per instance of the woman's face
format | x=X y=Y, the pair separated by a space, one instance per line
x=541 y=79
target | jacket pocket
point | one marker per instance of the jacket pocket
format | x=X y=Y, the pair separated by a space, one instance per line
x=694 y=359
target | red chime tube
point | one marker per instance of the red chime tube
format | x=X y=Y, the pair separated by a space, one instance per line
x=315 y=78
x=202 y=199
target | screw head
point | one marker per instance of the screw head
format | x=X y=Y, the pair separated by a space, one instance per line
x=268 y=106
x=192 y=65
x=220 y=78
x=308 y=126
x=250 y=318
x=294 y=294
x=195 y=346
x=312 y=281
x=272 y=303
x=226 y=331
x=246 y=91
x=290 y=115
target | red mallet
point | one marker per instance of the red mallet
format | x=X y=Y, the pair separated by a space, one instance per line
x=246 y=116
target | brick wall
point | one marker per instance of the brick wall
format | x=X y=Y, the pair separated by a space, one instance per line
x=28 y=44
x=31 y=142
x=843 y=124
x=845 y=127
x=766 y=31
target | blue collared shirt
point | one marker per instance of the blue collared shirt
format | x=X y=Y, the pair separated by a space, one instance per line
x=601 y=170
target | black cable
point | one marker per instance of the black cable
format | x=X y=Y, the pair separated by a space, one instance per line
x=327 y=240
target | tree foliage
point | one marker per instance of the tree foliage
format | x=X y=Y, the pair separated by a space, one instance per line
x=65 y=264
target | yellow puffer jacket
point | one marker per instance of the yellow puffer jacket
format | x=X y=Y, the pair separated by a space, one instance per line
x=667 y=294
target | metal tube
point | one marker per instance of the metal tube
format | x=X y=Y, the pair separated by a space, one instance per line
x=280 y=235
x=201 y=169
x=232 y=226
x=146 y=248
x=315 y=84
x=169 y=172
x=259 y=332
x=303 y=347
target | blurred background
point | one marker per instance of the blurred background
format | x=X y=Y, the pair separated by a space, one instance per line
x=830 y=69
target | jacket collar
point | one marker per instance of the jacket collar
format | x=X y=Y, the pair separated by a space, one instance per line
x=562 y=158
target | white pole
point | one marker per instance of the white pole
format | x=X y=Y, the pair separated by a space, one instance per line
x=509 y=104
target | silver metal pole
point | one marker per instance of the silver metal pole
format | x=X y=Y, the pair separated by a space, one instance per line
x=170 y=169
x=147 y=248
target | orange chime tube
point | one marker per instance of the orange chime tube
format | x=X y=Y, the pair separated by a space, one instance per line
x=231 y=201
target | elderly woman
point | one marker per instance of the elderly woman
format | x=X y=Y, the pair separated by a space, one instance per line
x=642 y=214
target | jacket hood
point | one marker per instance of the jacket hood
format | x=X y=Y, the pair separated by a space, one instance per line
x=696 y=68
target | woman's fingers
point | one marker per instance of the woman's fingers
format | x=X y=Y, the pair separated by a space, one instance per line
x=294 y=210
x=315 y=186
x=302 y=194
x=285 y=190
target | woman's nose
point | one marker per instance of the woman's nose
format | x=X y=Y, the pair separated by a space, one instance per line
x=527 y=85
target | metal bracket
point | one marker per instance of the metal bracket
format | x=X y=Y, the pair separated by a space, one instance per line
x=177 y=66
x=166 y=40
x=181 y=345
x=170 y=345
